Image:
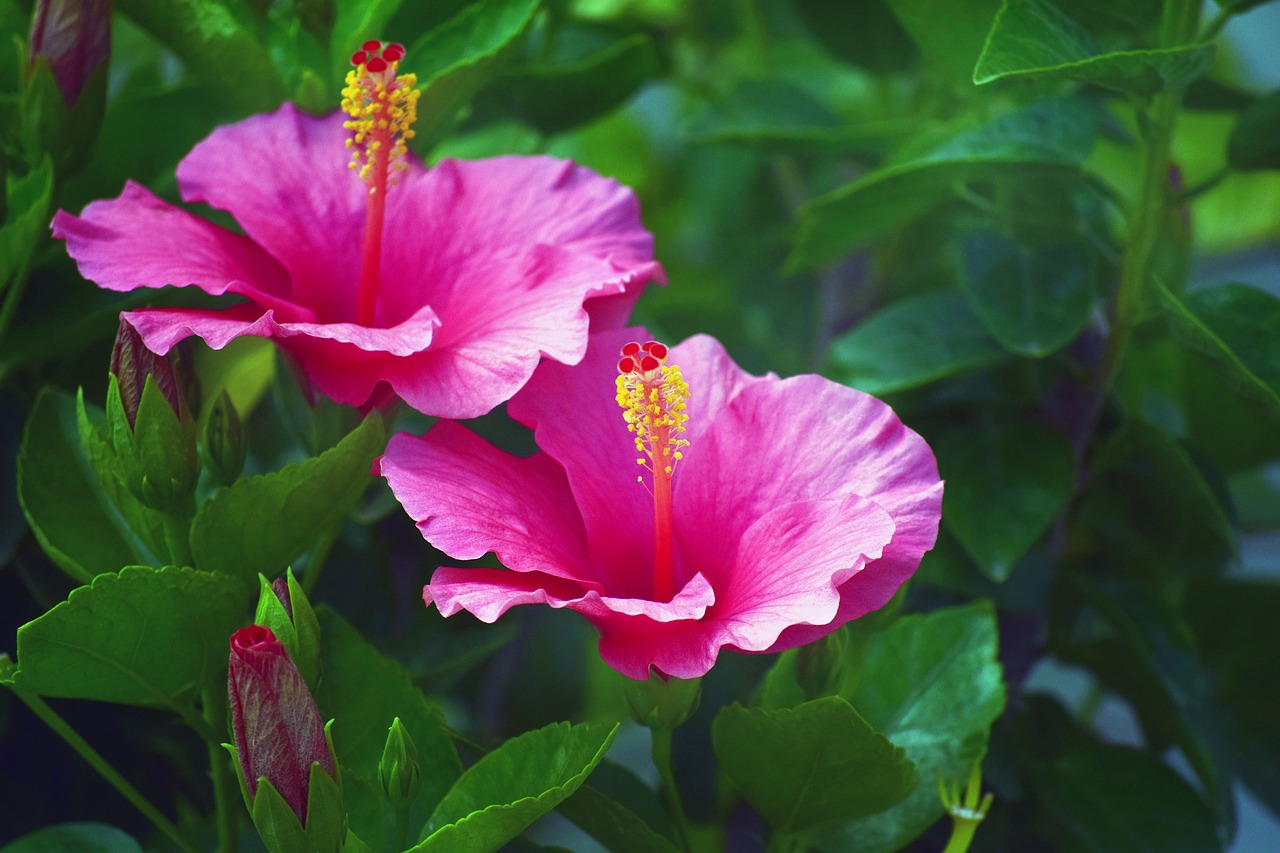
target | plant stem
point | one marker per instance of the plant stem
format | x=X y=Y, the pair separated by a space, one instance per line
x=667 y=782
x=1177 y=27
x=98 y=763
x=962 y=832
x=226 y=791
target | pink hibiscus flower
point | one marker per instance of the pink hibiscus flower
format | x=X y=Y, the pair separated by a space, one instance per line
x=776 y=509
x=445 y=289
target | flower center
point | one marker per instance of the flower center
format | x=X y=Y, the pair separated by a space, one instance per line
x=653 y=397
x=383 y=108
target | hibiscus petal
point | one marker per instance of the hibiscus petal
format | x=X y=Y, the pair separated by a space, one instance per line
x=284 y=177
x=469 y=498
x=806 y=438
x=138 y=240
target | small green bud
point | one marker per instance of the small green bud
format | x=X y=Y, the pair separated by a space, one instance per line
x=399 y=771
x=283 y=607
x=818 y=664
x=661 y=702
x=224 y=445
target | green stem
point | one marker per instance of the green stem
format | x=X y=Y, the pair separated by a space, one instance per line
x=1177 y=27
x=11 y=299
x=177 y=533
x=667 y=782
x=226 y=790
x=98 y=763
x=962 y=832
x=401 y=837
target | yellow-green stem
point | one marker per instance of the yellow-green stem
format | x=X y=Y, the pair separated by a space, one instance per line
x=667 y=782
x=226 y=790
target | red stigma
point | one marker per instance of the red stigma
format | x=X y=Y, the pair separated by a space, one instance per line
x=359 y=57
x=626 y=366
x=655 y=349
x=376 y=65
x=649 y=363
x=372 y=46
x=393 y=52
x=631 y=348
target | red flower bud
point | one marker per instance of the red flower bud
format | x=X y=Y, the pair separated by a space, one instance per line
x=277 y=726
x=132 y=363
x=74 y=37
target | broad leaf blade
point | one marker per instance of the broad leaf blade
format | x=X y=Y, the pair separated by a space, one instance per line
x=811 y=765
x=514 y=785
x=1006 y=482
x=1036 y=39
x=912 y=342
x=362 y=690
x=81 y=837
x=261 y=524
x=114 y=640
x=933 y=686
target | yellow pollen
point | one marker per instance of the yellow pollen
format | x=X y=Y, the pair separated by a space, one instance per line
x=381 y=106
x=653 y=405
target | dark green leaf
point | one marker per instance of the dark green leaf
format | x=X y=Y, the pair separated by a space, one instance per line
x=455 y=60
x=952 y=47
x=1033 y=299
x=1255 y=140
x=933 y=686
x=598 y=810
x=85 y=521
x=555 y=96
x=1007 y=479
x=204 y=34
x=1113 y=798
x=811 y=765
x=1136 y=470
x=884 y=353
x=872 y=39
x=1054 y=135
x=81 y=837
x=141 y=637
x=26 y=220
x=358 y=21
x=1035 y=38
x=514 y=785
x=772 y=114
x=362 y=691
x=1233 y=327
x=261 y=524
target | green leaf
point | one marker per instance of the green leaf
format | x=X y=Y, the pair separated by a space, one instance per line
x=1106 y=797
x=26 y=218
x=358 y=21
x=811 y=765
x=1141 y=466
x=883 y=353
x=1050 y=135
x=206 y=36
x=953 y=47
x=772 y=114
x=1036 y=39
x=596 y=810
x=264 y=523
x=932 y=685
x=1233 y=327
x=556 y=96
x=455 y=60
x=362 y=690
x=1007 y=479
x=81 y=837
x=83 y=518
x=514 y=785
x=1033 y=299
x=1255 y=139
x=141 y=637
x=872 y=39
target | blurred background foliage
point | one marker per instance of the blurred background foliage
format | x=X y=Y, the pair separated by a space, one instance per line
x=1046 y=232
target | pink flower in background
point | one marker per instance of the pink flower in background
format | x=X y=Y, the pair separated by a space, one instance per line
x=775 y=510
x=276 y=724
x=471 y=273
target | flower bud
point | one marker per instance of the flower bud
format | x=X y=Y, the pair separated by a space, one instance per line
x=151 y=428
x=74 y=37
x=224 y=443
x=283 y=608
x=275 y=722
x=662 y=702
x=399 y=770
